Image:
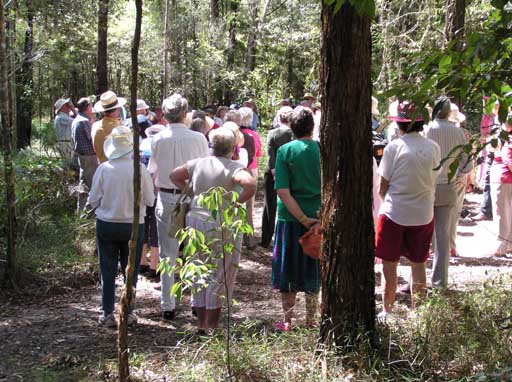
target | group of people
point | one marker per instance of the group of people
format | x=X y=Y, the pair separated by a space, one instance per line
x=184 y=149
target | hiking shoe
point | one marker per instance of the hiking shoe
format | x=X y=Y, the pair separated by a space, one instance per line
x=108 y=321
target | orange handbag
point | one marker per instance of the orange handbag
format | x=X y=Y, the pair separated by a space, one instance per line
x=311 y=242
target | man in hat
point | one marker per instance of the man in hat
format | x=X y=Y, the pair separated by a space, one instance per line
x=406 y=218
x=447 y=136
x=171 y=148
x=62 y=124
x=110 y=105
x=81 y=133
x=308 y=100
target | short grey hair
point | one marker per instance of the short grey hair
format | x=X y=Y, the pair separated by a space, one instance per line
x=199 y=125
x=175 y=108
x=246 y=115
x=233 y=116
x=223 y=142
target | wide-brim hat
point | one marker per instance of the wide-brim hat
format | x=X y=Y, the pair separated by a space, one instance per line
x=141 y=105
x=60 y=103
x=309 y=96
x=406 y=112
x=109 y=101
x=153 y=130
x=119 y=143
x=455 y=115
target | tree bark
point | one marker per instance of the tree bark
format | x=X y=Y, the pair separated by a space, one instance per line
x=254 y=33
x=102 y=55
x=10 y=195
x=455 y=20
x=214 y=9
x=25 y=85
x=348 y=280
x=233 y=7
x=128 y=294
x=165 y=80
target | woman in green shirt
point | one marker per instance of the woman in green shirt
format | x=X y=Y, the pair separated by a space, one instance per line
x=297 y=182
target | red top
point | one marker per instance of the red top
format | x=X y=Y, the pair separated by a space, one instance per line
x=257 y=147
x=500 y=171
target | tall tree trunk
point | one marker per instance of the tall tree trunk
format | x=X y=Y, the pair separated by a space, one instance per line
x=250 y=60
x=454 y=28
x=214 y=9
x=455 y=20
x=233 y=7
x=25 y=85
x=102 y=55
x=165 y=80
x=11 y=48
x=128 y=294
x=10 y=196
x=348 y=284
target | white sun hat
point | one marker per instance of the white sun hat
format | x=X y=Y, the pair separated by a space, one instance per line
x=142 y=105
x=119 y=143
x=455 y=115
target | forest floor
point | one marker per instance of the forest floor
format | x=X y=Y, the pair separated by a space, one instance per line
x=52 y=334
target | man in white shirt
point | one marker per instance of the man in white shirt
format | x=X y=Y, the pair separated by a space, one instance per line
x=406 y=218
x=171 y=148
x=447 y=136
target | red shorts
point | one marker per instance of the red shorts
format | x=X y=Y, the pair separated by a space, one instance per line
x=393 y=240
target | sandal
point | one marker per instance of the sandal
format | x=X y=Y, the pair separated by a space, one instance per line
x=284 y=327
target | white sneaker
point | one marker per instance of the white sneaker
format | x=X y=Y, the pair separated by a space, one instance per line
x=382 y=317
x=109 y=321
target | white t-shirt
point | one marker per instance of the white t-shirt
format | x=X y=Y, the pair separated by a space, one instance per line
x=173 y=147
x=408 y=164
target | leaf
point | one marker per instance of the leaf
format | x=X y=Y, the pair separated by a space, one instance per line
x=445 y=63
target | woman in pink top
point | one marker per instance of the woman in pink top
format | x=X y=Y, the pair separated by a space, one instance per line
x=246 y=114
x=501 y=194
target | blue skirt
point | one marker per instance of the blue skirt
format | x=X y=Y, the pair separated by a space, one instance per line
x=292 y=270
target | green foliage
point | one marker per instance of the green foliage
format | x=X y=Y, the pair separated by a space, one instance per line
x=41 y=190
x=202 y=250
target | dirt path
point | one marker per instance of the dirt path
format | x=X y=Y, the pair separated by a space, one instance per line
x=59 y=331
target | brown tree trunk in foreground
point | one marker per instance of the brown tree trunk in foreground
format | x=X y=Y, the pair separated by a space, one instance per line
x=24 y=94
x=454 y=28
x=128 y=294
x=348 y=280
x=10 y=196
x=102 y=55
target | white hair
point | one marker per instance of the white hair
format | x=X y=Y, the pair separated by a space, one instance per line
x=175 y=108
x=246 y=116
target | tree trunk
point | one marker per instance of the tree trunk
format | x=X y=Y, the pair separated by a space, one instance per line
x=10 y=195
x=214 y=9
x=11 y=47
x=233 y=7
x=102 y=55
x=128 y=294
x=455 y=20
x=165 y=80
x=348 y=280
x=250 y=60
x=24 y=81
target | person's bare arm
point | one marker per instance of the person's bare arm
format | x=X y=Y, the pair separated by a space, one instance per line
x=179 y=176
x=293 y=207
x=383 y=187
x=245 y=180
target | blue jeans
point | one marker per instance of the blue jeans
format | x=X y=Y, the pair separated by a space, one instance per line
x=113 y=246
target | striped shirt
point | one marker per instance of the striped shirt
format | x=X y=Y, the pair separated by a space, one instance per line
x=447 y=136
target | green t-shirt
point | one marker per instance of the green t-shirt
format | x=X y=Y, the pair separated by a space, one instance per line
x=298 y=168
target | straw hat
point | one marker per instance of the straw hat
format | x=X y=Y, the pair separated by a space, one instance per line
x=119 y=143
x=109 y=101
x=309 y=96
x=60 y=103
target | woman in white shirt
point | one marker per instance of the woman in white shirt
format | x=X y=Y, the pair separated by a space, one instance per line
x=112 y=197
